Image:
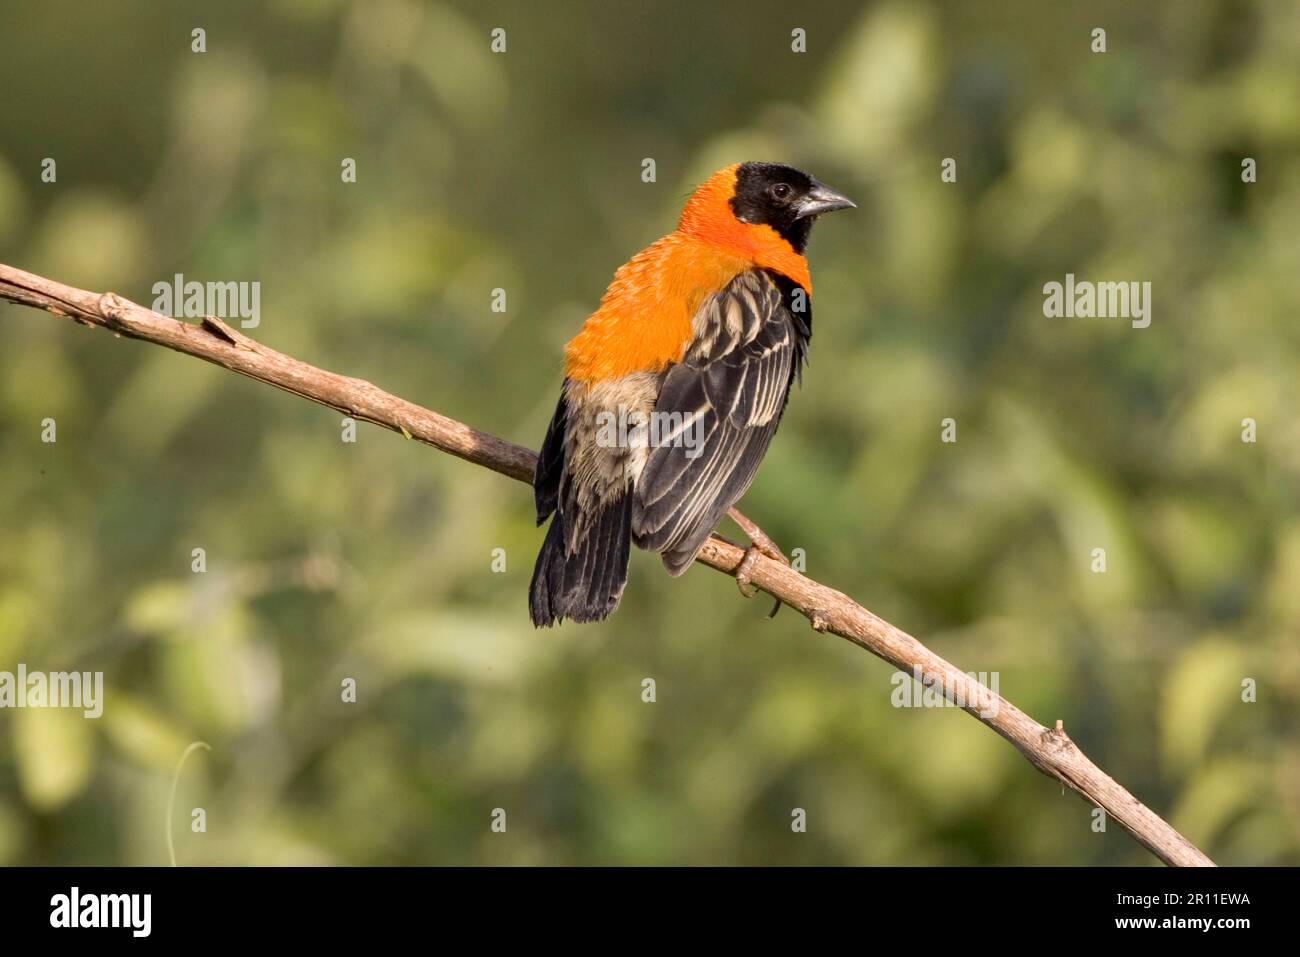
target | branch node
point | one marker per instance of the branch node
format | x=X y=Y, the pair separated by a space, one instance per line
x=111 y=306
x=819 y=620
x=222 y=331
x=1056 y=737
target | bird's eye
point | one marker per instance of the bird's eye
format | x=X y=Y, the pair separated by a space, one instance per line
x=780 y=191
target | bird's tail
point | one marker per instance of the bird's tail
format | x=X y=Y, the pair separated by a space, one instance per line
x=585 y=582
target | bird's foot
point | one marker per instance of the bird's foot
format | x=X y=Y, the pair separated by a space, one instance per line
x=760 y=544
x=744 y=568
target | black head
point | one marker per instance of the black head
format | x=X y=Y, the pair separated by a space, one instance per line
x=784 y=198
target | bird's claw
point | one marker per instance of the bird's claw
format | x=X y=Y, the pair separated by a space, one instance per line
x=760 y=544
x=744 y=568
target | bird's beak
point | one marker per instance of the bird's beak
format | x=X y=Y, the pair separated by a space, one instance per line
x=822 y=199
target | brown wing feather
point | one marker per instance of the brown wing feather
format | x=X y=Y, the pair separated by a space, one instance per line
x=735 y=378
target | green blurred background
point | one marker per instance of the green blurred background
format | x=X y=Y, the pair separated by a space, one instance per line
x=522 y=171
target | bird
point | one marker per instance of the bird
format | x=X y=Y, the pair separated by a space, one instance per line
x=673 y=389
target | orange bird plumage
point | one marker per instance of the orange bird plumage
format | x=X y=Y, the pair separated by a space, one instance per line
x=674 y=387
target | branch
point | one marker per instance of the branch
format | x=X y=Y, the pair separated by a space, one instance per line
x=1048 y=749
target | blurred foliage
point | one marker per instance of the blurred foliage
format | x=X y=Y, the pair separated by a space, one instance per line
x=522 y=171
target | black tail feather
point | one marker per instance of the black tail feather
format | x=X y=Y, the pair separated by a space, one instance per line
x=587 y=583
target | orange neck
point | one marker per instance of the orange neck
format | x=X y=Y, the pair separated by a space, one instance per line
x=708 y=217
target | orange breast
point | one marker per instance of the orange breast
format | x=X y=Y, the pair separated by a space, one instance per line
x=644 y=319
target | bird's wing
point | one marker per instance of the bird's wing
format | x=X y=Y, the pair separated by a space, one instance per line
x=729 y=391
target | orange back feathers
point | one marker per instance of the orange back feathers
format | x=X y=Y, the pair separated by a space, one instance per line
x=644 y=319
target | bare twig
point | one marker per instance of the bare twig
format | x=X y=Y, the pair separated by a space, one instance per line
x=1048 y=749
x=171 y=795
